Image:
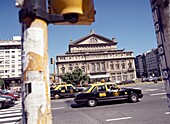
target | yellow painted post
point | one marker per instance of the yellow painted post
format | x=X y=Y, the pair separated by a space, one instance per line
x=36 y=101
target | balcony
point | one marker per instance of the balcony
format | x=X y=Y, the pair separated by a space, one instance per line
x=98 y=72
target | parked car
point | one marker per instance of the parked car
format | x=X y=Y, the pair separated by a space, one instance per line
x=15 y=95
x=64 y=90
x=6 y=101
x=101 y=92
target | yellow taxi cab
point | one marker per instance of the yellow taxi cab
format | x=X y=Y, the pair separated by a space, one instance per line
x=64 y=90
x=100 y=92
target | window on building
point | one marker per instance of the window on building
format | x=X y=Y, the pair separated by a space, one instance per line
x=63 y=70
x=118 y=78
x=7 y=51
x=111 y=65
x=103 y=66
x=6 y=71
x=125 y=77
x=83 y=68
x=98 y=67
x=131 y=77
x=130 y=64
x=123 y=65
x=93 y=66
x=70 y=68
x=117 y=66
x=88 y=66
x=1 y=71
x=1 y=62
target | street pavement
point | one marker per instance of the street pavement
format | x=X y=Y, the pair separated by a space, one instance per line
x=11 y=115
x=152 y=109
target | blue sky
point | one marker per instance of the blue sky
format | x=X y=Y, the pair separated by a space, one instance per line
x=129 y=21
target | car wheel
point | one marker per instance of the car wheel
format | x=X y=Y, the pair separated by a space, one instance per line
x=92 y=102
x=56 y=96
x=133 y=97
x=1 y=105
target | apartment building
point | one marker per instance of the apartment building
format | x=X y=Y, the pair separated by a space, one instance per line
x=148 y=64
x=10 y=60
x=98 y=57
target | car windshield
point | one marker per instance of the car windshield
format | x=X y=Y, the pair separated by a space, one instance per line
x=85 y=90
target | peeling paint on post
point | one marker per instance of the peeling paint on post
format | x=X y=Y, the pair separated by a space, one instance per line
x=36 y=102
x=161 y=18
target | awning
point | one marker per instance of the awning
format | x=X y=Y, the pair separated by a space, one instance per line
x=99 y=76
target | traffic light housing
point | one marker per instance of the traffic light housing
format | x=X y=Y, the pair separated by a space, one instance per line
x=52 y=61
x=83 y=10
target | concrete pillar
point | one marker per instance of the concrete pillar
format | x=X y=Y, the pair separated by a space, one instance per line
x=161 y=18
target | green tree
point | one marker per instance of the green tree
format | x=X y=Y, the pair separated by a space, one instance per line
x=76 y=77
x=1 y=82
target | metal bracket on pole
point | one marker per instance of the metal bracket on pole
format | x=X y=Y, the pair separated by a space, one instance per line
x=34 y=10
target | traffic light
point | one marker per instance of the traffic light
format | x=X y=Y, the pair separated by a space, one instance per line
x=52 y=61
x=82 y=10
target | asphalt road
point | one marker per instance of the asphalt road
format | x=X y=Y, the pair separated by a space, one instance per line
x=152 y=109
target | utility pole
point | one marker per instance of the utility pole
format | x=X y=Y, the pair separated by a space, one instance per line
x=36 y=104
x=35 y=71
x=161 y=18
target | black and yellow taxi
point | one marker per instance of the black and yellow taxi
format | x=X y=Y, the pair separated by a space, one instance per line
x=63 y=90
x=100 y=92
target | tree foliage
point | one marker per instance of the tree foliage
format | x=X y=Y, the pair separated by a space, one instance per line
x=76 y=77
x=1 y=81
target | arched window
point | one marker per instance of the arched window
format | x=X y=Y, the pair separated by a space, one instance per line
x=117 y=66
x=83 y=68
x=123 y=65
x=130 y=64
x=63 y=70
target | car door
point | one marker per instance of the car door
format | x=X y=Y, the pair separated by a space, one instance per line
x=62 y=91
x=70 y=91
x=114 y=92
x=102 y=94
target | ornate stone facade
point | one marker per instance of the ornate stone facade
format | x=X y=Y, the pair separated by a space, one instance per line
x=98 y=57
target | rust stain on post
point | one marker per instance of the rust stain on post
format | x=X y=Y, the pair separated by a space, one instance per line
x=36 y=73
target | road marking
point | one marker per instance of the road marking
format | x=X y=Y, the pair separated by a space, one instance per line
x=167 y=113
x=10 y=109
x=58 y=108
x=9 y=119
x=9 y=115
x=6 y=112
x=117 y=119
x=164 y=97
x=157 y=94
x=149 y=90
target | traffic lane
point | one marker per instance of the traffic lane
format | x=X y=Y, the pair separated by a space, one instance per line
x=82 y=114
x=148 y=111
x=129 y=113
x=151 y=109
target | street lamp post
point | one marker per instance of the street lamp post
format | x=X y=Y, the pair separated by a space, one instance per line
x=54 y=70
